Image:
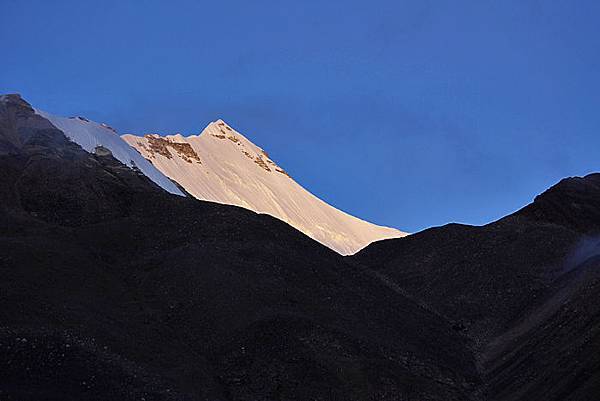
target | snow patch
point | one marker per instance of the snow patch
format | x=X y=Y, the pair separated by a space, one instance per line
x=90 y=136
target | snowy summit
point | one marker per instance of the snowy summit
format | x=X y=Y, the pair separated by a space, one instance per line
x=221 y=165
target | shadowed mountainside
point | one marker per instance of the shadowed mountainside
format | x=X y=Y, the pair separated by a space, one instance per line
x=111 y=288
x=524 y=289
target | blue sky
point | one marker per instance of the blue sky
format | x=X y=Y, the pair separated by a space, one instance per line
x=404 y=113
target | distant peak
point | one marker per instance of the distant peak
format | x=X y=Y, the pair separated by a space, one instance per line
x=221 y=124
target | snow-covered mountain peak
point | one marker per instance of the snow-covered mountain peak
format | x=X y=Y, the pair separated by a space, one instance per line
x=222 y=165
x=219 y=122
x=231 y=169
x=220 y=128
x=224 y=140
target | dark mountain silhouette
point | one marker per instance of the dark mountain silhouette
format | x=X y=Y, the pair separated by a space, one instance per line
x=113 y=289
x=524 y=289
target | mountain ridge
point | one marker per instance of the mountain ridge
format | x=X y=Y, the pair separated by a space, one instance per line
x=112 y=288
x=230 y=169
x=174 y=163
x=89 y=135
x=522 y=288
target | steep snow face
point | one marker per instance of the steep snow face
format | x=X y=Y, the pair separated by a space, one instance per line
x=90 y=135
x=221 y=165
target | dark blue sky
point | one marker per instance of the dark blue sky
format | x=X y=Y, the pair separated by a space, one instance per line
x=405 y=113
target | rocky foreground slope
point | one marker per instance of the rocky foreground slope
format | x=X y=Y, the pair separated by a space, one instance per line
x=112 y=288
x=524 y=290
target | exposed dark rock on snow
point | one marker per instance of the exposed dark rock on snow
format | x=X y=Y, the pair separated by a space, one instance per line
x=161 y=146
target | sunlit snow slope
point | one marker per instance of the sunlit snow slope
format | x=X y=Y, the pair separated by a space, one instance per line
x=221 y=165
x=90 y=135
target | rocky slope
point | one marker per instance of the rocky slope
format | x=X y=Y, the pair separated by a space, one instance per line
x=111 y=288
x=221 y=165
x=523 y=289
